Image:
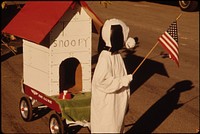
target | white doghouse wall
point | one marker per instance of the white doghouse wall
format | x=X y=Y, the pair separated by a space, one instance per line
x=36 y=66
x=71 y=37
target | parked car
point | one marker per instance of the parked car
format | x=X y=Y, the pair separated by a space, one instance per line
x=188 y=5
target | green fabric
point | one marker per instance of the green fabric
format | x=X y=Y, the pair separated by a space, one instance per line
x=77 y=108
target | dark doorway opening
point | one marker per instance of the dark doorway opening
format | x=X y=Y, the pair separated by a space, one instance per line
x=70 y=73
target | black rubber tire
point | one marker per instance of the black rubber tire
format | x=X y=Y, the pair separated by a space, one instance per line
x=25 y=108
x=188 y=5
x=56 y=124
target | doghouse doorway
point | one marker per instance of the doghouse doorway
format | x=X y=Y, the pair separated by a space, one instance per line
x=70 y=74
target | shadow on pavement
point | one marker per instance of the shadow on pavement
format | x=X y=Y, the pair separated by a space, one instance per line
x=73 y=129
x=40 y=112
x=146 y=71
x=158 y=112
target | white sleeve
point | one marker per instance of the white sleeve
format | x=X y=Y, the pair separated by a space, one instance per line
x=103 y=79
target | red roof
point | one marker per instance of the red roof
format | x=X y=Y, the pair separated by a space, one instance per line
x=36 y=19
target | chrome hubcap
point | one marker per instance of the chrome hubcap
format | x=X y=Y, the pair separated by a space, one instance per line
x=24 y=109
x=54 y=127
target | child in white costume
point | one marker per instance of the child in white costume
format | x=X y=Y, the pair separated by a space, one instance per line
x=110 y=83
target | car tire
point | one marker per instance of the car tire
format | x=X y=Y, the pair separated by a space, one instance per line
x=188 y=5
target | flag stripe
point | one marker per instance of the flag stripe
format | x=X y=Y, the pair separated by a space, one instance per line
x=170 y=44
x=168 y=48
x=172 y=56
x=175 y=44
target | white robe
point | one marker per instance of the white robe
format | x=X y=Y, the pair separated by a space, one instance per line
x=110 y=94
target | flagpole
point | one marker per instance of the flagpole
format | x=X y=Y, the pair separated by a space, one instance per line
x=179 y=16
x=151 y=51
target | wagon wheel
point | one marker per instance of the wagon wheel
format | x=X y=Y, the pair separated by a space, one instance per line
x=25 y=108
x=56 y=124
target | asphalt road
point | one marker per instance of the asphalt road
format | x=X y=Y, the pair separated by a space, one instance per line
x=164 y=98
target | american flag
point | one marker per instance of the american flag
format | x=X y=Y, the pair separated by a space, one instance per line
x=169 y=40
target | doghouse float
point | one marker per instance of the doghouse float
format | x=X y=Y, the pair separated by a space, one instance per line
x=57 y=51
